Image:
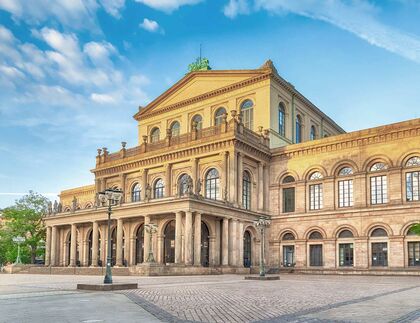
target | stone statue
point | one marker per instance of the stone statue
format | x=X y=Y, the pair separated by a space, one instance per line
x=198 y=187
x=74 y=204
x=148 y=192
x=60 y=208
x=55 y=208
x=50 y=208
x=190 y=186
x=201 y=64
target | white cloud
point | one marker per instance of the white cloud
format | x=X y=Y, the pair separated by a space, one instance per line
x=113 y=7
x=100 y=53
x=235 y=8
x=355 y=16
x=149 y=25
x=167 y=5
x=102 y=98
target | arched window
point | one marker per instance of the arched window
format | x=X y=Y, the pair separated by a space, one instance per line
x=315 y=235
x=183 y=184
x=288 y=179
x=140 y=244
x=212 y=184
x=246 y=190
x=379 y=232
x=175 y=128
x=412 y=180
x=247 y=108
x=158 y=189
x=313 y=133
x=155 y=135
x=247 y=249
x=345 y=188
x=218 y=116
x=345 y=234
x=198 y=120
x=315 y=192
x=135 y=193
x=298 y=129
x=413 y=246
x=378 y=185
x=288 y=236
x=282 y=120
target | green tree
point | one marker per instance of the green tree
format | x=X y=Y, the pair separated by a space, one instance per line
x=415 y=228
x=24 y=219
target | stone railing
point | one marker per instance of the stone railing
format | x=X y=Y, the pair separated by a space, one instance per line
x=233 y=127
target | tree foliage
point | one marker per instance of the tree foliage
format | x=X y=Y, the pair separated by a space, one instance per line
x=23 y=219
x=415 y=229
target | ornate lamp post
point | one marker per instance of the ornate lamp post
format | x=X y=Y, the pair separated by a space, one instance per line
x=113 y=197
x=151 y=229
x=261 y=224
x=18 y=241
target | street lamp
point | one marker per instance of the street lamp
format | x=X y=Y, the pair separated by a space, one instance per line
x=113 y=197
x=151 y=228
x=18 y=240
x=262 y=224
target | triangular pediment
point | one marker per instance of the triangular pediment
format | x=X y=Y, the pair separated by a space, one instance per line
x=197 y=84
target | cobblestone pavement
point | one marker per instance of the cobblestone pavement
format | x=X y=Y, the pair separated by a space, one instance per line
x=228 y=298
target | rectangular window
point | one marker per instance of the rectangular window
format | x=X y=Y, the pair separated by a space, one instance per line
x=379 y=254
x=315 y=196
x=288 y=256
x=345 y=193
x=288 y=199
x=414 y=253
x=413 y=186
x=378 y=190
x=345 y=251
x=315 y=255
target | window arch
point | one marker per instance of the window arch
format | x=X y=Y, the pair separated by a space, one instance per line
x=298 y=137
x=135 y=192
x=412 y=180
x=313 y=133
x=155 y=135
x=158 y=189
x=379 y=166
x=183 y=184
x=282 y=119
x=247 y=112
x=315 y=235
x=345 y=234
x=246 y=190
x=288 y=236
x=212 y=184
x=315 y=176
x=198 y=120
x=288 y=179
x=379 y=232
x=175 y=128
x=413 y=162
x=218 y=116
x=344 y=171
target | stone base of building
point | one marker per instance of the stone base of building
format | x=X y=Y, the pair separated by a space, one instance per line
x=353 y=271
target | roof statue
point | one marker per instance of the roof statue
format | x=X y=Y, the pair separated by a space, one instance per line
x=201 y=64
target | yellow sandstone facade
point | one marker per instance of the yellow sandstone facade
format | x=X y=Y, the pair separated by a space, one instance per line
x=220 y=149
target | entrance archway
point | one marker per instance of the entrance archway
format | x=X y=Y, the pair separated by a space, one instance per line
x=114 y=247
x=169 y=243
x=247 y=249
x=140 y=244
x=90 y=248
x=205 y=242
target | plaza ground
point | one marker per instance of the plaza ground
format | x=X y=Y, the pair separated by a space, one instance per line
x=224 y=298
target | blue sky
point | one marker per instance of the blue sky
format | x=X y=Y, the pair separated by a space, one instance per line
x=72 y=72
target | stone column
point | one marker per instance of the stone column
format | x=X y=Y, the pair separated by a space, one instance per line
x=233 y=250
x=225 y=242
x=240 y=177
x=266 y=186
x=168 y=184
x=48 y=247
x=240 y=244
x=73 y=245
x=194 y=167
x=396 y=256
x=119 y=258
x=361 y=252
x=178 y=237
x=132 y=258
x=143 y=184
x=233 y=177
x=260 y=186
x=122 y=186
x=300 y=254
x=146 y=241
x=188 y=238
x=197 y=240
x=53 y=260
x=329 y=253
x=85 y=257
x=95 y=243
x=224 y=179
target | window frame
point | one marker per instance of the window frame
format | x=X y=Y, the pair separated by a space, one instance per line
x=135 y=194
x=298 y=125
x=212 y=185
x=282 y=119
x=246 y=190
x=218 y=118
x=158 y=192
x=178 y=132
x=153 y=137
x=247 y=114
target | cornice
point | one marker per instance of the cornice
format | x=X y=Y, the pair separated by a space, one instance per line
x=144 y=114
x=383 y=134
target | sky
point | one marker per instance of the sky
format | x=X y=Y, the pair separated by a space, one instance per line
x=73 y=72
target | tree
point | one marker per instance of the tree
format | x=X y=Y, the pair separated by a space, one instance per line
x=415 y=229
x=23 y=219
